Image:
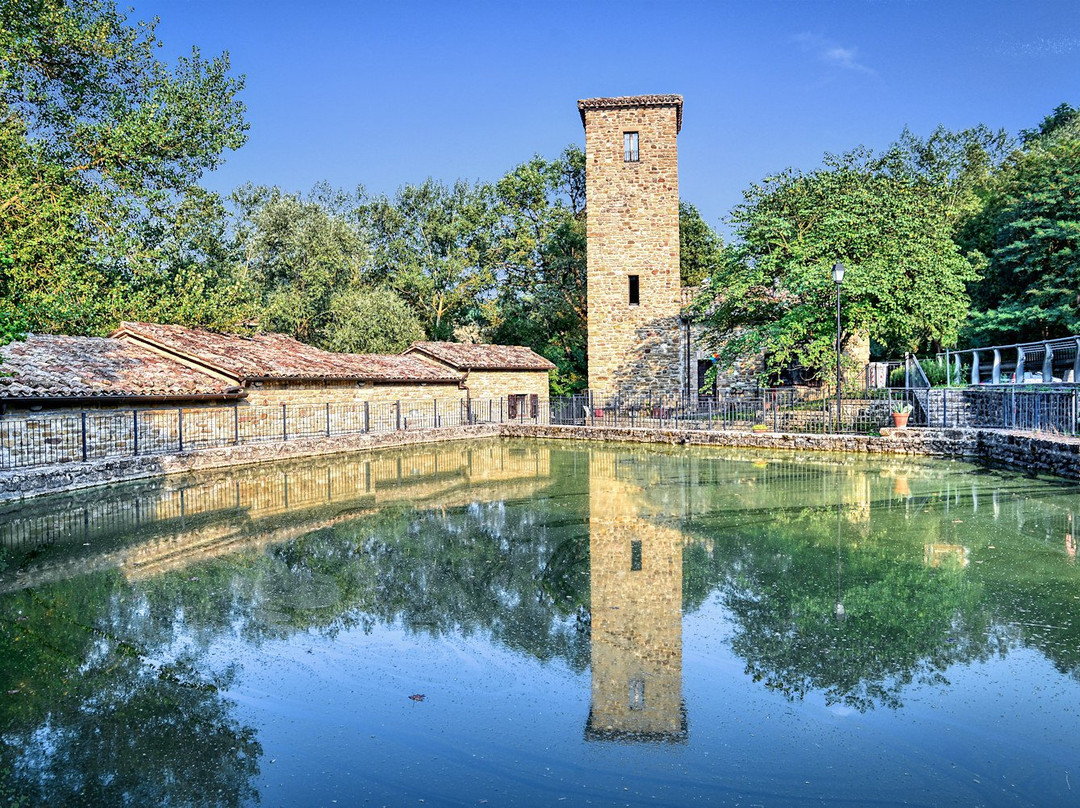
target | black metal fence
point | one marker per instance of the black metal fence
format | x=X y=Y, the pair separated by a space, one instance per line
x=789 y=409
x=69 y=437
x=1054 y=411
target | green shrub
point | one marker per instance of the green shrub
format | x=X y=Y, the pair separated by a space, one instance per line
x=935 y=374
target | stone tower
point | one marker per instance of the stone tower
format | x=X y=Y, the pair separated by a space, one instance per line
x=632 y=195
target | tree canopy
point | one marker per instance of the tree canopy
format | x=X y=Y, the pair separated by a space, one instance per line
x=103 y=143
x=1027 y=239
x=773 y=291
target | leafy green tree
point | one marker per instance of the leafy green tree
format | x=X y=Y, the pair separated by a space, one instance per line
x=189 y=271
x=540 y=251
x=300 y=254
x=773 y=291
x=961 y=166
x=371 y=321
x=700 y=247
x=1027 y=238
x=431 y=244
x=100 y=141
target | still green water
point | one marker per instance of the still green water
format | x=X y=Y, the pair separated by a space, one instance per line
x=531 y=623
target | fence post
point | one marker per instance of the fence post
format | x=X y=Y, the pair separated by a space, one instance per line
x=284 y=424
x=501 y=402
x=367 y=417
x=328 y=419
x=436 y=411
x=776 y=411
x=397 y=414
x=135 y=432
x=236 y=423
x=180 y=427
x=83 y=420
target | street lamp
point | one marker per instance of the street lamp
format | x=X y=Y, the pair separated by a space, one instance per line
x=838 y=278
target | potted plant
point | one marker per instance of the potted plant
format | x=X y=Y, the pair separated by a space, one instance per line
x=758 y=428
x=901 y=411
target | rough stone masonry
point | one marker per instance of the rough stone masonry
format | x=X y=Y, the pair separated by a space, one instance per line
x=632 y=197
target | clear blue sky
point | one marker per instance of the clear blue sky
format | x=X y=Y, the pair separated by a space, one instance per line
x=387 y=93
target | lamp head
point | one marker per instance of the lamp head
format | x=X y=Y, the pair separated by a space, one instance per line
x=838 y=273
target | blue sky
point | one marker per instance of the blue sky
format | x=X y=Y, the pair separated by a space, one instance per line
x=385 y=93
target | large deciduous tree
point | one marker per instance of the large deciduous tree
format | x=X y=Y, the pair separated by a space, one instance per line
x=773 y=292
x=700 y=247
x=1027 y=238
x=540 y=249
x=101 y=143
x=300 y=254
x=431 y=244
x=372 y=321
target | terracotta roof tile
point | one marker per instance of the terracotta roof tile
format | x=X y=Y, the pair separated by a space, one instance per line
x=634 y=101
x=47 y=366
x=278 y=357
x=483 y=357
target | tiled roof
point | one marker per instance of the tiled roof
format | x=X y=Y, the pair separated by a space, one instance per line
x=277 y=357
x=47 y=366
x=634 y=101
x=483 y=357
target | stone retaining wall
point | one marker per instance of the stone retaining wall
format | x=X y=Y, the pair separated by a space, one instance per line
x=1059 y=456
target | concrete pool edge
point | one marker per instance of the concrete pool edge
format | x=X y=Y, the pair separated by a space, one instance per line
x=1056 y=455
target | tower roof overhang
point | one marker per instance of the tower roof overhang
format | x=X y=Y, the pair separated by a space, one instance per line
x=634 y=102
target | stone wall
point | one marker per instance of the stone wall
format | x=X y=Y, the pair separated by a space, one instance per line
x=633 y=230
x=495 y=384
x=67 y=436
x=29 y=482
x=261 y=394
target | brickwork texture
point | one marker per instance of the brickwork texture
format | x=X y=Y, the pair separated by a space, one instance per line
x=633 y=230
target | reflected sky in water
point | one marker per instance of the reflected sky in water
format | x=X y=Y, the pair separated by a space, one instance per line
x=537 y=623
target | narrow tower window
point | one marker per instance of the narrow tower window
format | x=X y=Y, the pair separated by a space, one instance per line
x=635 y=290
x=635 y=556
x=630 y=147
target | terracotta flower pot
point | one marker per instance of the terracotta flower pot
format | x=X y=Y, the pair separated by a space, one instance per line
x=899 y=419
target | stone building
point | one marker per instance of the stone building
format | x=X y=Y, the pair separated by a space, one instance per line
x=276 y=369
x=489 y=372
x=632 y=197
x=149 y=364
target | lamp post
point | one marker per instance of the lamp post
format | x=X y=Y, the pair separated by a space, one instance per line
x=838 y=278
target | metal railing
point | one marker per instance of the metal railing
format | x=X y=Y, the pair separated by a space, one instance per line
x=29 y=440
x=790 y=409
x=1055 y=361
x=1051 y=410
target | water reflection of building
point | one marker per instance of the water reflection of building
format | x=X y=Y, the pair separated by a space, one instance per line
x=169 y=524
x=636 y=581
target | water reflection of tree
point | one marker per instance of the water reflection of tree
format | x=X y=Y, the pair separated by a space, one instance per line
x=91 y=720
x=903 y=622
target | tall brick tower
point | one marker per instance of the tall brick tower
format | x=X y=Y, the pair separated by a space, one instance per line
x=632 y=194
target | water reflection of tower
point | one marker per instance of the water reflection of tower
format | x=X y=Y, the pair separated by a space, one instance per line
x=636 y=573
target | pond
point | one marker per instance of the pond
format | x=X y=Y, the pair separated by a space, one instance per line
x=528 y=622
